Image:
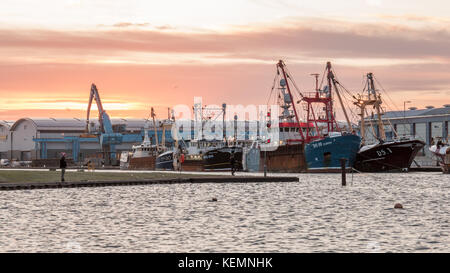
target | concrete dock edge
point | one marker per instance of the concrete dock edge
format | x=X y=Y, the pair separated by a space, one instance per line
x=56 y=185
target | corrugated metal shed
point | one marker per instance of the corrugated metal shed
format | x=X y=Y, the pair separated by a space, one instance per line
x=74 y=124
x=42 y=124
x=416 y=113
x=133 y=124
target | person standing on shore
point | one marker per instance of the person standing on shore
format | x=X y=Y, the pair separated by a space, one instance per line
x=181 y=162
x=63 y=166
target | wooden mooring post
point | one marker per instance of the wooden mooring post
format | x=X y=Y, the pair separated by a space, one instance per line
x=344 y=171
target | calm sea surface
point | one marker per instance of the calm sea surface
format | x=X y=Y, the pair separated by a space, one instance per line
x=314 y=215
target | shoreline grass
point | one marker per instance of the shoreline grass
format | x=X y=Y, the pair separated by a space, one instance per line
x=15 y=176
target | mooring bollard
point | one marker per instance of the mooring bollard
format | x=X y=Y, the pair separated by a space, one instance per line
x=344 y=178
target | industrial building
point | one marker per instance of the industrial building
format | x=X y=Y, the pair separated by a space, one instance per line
x=36 y=138
x=28 y=139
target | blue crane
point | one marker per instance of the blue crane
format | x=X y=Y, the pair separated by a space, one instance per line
x=108 y=138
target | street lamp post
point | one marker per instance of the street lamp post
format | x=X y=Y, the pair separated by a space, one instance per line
x=404 y=116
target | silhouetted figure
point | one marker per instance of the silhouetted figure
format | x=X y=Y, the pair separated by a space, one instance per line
x=63 y=166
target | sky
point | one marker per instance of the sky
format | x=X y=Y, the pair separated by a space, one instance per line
x=144 y=54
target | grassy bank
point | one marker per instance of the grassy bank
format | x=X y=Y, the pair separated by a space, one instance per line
x=52 y=176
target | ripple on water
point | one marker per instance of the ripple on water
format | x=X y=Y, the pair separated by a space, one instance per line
x=314 y=215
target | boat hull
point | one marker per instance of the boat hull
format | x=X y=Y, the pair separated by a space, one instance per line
x=285 y=159
x=391 y=156
x=164 y=161
x=324 y=155
x=142 y=163
x=219 y=159
x=252 y=159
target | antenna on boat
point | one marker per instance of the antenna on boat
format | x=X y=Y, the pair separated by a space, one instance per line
x=316 y=75
x=154 y=127
x=281 y=65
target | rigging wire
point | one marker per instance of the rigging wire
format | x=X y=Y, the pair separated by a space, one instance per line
x=273 y=86
x=323 y=78
x=371 y=125
x=344 y=95
x=293 y=82
x=395 y=106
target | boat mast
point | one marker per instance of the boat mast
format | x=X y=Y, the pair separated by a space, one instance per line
x=372 y=99
x=377 y=105
x=154 y=127
x=363 y=125
x=282 y=65
x=331 y=78
x=329 y=106
x=316 y=76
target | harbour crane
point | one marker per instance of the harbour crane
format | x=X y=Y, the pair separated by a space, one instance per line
x=108 y=138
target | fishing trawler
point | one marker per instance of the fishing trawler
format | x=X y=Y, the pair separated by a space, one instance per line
x=325 y=143
x=287 y=153
x=385 y=154
x=144 y=155
x=194 y=152
x=165 y=158
x=164 y=161
x=209 y=153
x=220 y=159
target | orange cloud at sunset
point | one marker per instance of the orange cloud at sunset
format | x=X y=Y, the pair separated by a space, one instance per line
x=48 y=72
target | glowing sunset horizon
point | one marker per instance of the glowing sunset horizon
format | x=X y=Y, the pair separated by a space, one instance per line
x=144 y=54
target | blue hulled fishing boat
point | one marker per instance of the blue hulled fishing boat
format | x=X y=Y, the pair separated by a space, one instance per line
x=325 y=142
x=325 y=154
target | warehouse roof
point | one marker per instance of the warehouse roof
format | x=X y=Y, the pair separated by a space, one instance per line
x=6 y=123
x=75 y=124
x=417 y=113
x=52 y=124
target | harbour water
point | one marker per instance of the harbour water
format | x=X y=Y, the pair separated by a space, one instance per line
x=316 y=214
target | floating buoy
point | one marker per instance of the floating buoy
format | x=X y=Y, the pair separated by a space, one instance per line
x=398 y=206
